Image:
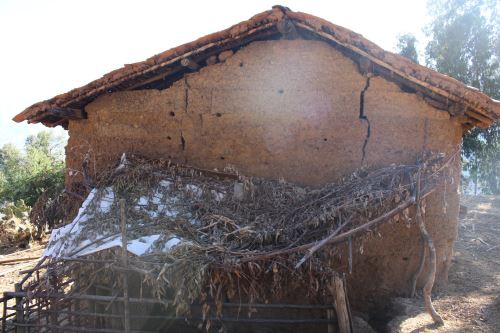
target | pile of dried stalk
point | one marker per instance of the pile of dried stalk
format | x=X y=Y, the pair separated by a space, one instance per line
x=248 y=239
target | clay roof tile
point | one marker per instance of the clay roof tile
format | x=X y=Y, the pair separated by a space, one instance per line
x=481 y=110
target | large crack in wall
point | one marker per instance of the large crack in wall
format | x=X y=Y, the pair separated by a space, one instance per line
x=364 y=118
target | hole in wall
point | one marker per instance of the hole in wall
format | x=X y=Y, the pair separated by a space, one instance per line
x=172 y=113
x=218 y=114
x=325 y=139
x=222 y=158
x=241 y=64
x=169 y=137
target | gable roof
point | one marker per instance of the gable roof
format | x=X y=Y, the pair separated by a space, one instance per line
x=473 y=107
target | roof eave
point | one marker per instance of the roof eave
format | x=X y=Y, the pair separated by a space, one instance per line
x=476 y=107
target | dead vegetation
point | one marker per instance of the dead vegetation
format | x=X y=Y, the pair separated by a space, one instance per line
x=52 y=211
x=237 y=238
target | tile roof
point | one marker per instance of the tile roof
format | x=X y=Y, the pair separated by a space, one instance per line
x=444 y=92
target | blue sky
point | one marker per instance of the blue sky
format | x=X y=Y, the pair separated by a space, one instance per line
x=50 y=47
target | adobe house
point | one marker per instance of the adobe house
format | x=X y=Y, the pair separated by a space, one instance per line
x=284 y=94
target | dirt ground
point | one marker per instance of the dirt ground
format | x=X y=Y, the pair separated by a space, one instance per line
x=470 y=303
x=9 y=272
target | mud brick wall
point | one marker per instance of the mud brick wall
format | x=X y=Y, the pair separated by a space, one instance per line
x=293 y=109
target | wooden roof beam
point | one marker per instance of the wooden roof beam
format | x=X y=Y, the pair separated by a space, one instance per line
x=62 y=122
x=58 y=113
x=67 y=113
x=482 y=121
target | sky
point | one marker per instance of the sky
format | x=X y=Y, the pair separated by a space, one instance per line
x=49 y=47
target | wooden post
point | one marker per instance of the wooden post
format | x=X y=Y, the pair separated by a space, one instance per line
x=4 y=313
x=39 y=302
x=78 y=307
x=100 y=308
x=126 y=306
x=116 y=322
x=54 y=305
x=432 y=256
x=46 y=315
x=19 y=310
x=349 y=244
x=341 y=307
x=330 y=316
x=92 y=305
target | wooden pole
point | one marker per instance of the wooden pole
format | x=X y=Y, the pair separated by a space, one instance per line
x=330 y=316
x=54 y=317
x=432 y=258
x=321 y=243
x=349 y=248
x=19 y=310
x=39 y=302
x=420 y=268
x=4 y=313
x=348 y=305
x=126 y=305
x=341 y=307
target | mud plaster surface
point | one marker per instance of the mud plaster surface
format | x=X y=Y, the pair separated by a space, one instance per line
x=287 y=109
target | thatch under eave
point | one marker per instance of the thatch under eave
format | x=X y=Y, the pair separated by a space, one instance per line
x=476 y=108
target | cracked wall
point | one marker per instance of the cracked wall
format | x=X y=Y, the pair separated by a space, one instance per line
x=294 y=109
x=402 y=125
x=364 y=118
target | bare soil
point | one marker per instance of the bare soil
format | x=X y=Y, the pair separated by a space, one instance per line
x=10 y=272
x=471 y=301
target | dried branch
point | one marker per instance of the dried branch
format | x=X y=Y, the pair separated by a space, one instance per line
x=432 y=258
x=320 y=244
x=276 y=232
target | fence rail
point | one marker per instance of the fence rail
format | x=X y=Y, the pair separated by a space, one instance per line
x=25 y=311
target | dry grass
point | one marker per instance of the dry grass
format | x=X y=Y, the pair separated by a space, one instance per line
x=243 y=237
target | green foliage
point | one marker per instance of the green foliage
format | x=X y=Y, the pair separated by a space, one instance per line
x=15 y=209
x=465 y=44
x=26 y=175
x=407 y=47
